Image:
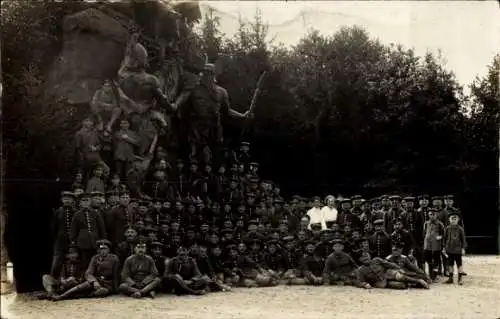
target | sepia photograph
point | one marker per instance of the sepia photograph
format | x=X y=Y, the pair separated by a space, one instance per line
x=250 y=159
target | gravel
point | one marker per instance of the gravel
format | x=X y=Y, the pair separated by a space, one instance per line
x=479 y=297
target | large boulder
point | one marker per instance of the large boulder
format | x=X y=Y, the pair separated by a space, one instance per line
x=93 y=48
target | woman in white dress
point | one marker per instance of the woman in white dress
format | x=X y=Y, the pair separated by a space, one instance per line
x=329 y=212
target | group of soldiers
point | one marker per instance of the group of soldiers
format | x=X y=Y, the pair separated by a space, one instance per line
x=209 y=223
x=212 y=229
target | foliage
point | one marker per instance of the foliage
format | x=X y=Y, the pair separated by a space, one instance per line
x=343 y=110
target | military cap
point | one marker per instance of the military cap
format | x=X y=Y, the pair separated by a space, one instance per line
x=337 y=241
x=227 y=230
x=67 y=194
x=124 y=192
x=187 y=201
x=250 y=194
x=254 y=164
x=398 y=245
x=345 y=200
x=96 y=194
x=449 y=197
x=245 y=143
x=231 y=247
x=316 y=198
x=151 y=229
x=394 y=197
x=156 y=244
x=278 y=201
x=364 y=201
x=454 y=213
x=141 y=240
x=112 y=193
x=254 y=179
x=296 y=197
x=142 y=202
x=102 y=243
x=409 y=199
x=84 y=196
x=384 y=197
x=288 y=238
x=423 y=197
x=437 y=198
x=193 y=162
x=397 y=220
x=357 y=197
x=378 y=222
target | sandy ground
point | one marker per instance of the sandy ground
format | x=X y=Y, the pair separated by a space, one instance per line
x=479 y=297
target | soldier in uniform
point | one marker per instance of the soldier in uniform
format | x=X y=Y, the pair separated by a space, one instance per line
x=102 y=275
x=339 y=266
x=423 y=206
x=70 y=277
x=139 y=275
x=183 y=276
x=118 y=219
x=61 y=227
x=88 y=146
x=380 y=273
x=87 y=227
x=380 y=241
x=400 y=235
x=433 y=234
x=125 y=142
x=311 y=267
x=409 y=268
x=414 y=220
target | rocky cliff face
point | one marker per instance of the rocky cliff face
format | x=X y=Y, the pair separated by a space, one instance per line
x=94 y=41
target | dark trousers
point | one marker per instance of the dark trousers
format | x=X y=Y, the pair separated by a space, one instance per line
x=57 y=263
x=85 y=256
x=432 y=258
x=454 y=259
x=121 y=168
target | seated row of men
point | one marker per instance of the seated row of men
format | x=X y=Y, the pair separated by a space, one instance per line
x=200 y=269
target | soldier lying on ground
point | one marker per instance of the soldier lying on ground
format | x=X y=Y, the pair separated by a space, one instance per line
x=380 y=273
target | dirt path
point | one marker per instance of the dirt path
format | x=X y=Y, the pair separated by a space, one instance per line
x=478 y=298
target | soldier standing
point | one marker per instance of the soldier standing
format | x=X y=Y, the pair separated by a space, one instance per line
x=87 y=227
x=61 y=227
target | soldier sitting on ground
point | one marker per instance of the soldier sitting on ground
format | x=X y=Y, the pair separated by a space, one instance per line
x=139 y=273
x=71 y=277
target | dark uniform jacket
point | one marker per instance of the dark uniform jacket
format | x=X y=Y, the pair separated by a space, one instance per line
x=403 y=236
x=454 y=239
x=139 y=268
x=117 y=220
x=380 y=244
x=124 y=250
x=403 y=262
x=374 y=271
x=87 y=226
x=61 y=227
x=105 y=270
x=187 y=269
x=311 y=264
x=205 y=266
x=72 y=269
x=276 y=261
x=340 y=264
x=414 y=221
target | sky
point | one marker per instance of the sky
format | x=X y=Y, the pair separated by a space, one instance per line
x=466 y=32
